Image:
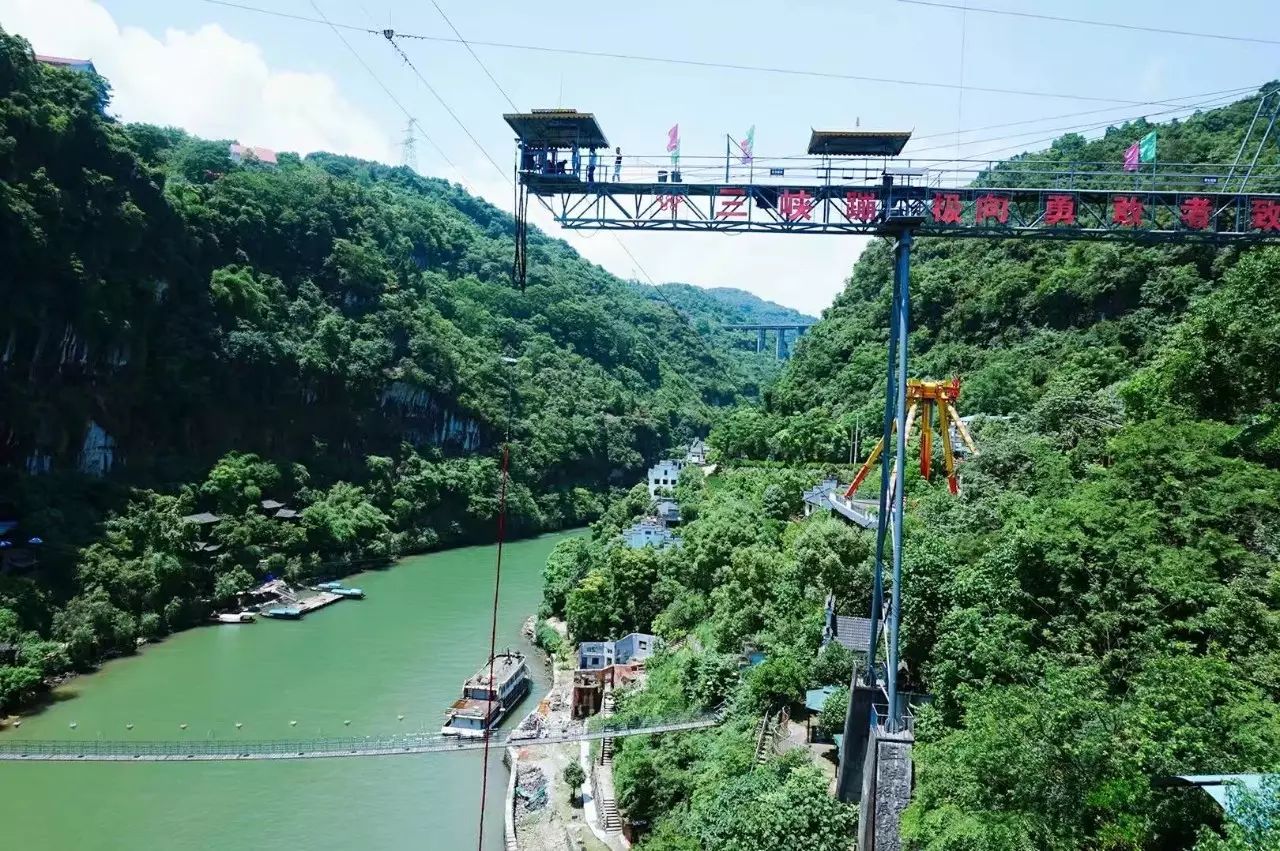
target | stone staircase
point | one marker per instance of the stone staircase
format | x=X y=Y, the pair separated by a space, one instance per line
x=764 y=740
x=606 y=806
x=609 y=818
x=768 y=732
x=606 y=745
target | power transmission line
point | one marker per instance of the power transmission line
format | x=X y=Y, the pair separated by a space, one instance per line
x=391 y=39
x=1089 y=23
x=1050 y=139
x=412 y=120
x=698 y=63
x=1224 y=98
x=918 y=138
x=465 y=44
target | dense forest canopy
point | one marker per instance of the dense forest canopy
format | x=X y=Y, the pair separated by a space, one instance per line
x=183 y=333
x=1027 y=322
x=1098 y=608
x=712 y=309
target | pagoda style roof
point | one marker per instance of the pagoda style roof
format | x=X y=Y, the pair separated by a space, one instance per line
x=557 y=128
x=857 y=143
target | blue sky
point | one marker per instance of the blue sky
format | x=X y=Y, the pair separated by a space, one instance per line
x=294 y=85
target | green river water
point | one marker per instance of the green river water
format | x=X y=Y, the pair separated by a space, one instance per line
x=404 y=650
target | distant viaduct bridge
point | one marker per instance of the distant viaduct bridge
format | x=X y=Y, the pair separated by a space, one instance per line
x=234 y=750
x=782 y=351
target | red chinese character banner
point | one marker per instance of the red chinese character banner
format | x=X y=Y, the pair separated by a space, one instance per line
x=1029 y=212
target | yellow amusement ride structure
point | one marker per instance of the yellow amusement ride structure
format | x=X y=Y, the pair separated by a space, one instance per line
x=922 y=398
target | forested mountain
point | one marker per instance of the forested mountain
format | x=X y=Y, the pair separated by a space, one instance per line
x=1100 y=606
x=340 y=325
x=727 y=305
x=710 y=309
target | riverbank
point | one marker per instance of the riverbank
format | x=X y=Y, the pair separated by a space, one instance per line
x=545 y=814
x=390 y=664
x=56 y=688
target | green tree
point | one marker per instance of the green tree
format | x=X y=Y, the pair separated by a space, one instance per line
x=834 y=709
x=574 y=777
x=231 y=584
x=776 y=504
x=589 y=609
x=565 y=568
x=17 y=684
x=91 y=627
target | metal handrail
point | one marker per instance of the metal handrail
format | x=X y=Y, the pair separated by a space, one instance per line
x=934 y=173
x=232 y=749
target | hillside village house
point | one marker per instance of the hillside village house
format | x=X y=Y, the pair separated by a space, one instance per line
x=601 y=654
x=82 y=65
x=604 y=665
x=697 y=453
x=663 y=475
x=251 y=153
x=649 y=532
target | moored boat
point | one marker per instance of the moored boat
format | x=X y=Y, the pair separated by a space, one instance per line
x=486 y=700
x=234 y=617
x=291 y=613
x=339 y=589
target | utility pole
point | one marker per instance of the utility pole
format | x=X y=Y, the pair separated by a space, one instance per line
x=410 y=147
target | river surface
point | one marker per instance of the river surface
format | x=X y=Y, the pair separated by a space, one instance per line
x=404 y=650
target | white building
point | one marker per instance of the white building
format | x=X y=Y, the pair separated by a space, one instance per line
x=649 y=532
x=663 y=475
x=697 y=453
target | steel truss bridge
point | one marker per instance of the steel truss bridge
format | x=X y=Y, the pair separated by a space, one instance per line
x=235 y=750
x=1071 y=201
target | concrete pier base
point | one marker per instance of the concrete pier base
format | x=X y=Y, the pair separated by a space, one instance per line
x=886 y=790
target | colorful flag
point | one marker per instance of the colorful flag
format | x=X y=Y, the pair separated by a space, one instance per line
x=1147 y=148
x=1131 y=157
x=673 y=139
x=748 y=145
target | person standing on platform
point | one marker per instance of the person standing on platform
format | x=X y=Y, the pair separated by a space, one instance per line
x=577 y=163
x=617 y=166
x=592 y=160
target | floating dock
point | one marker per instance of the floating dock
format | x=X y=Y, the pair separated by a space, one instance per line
x=286 y=603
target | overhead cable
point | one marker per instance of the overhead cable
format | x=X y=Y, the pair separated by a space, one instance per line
x=698 y=63
x=917 y=138
x=414 y=122
x=1223 y=99
x=1085 y=22
x=638 y=265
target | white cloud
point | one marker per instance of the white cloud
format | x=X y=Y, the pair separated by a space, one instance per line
x=204 y=81
x=217 y=86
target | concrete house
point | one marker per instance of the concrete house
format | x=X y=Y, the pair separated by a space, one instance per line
x=649 y=532
x=663 y=475
x=635 y=647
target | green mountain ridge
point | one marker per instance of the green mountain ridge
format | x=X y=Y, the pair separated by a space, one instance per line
x=1097 y=608
x=186 y=334
x=1095 y=611
x=730 y=305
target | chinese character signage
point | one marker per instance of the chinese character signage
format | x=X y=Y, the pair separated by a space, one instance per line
x=1068 y=213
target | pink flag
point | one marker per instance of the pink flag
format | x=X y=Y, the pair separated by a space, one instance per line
x=1131 y=158
x=673 y=139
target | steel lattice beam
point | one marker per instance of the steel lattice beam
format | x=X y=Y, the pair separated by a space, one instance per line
x=982 y=212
